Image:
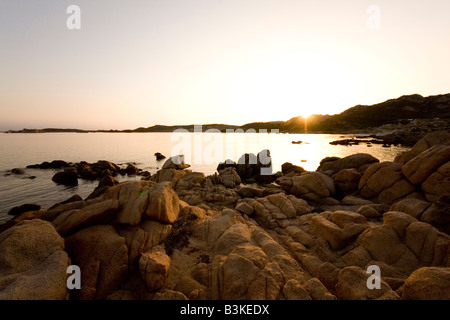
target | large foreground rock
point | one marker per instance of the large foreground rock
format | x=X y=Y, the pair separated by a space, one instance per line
x=385 y=183
x=422 y=166
x=102 y=256
x=163 y=203
x=338 y=228
x=33 y=263
x=352 y=285
x=138 y=199
x=359 y=161
x=430 y=283
x=154 y=267
x=312 y=186
x=431 y=139
x=98 y=213
x=437 y=186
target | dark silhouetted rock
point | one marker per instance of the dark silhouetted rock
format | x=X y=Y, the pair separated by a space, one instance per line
x=159 y=156
x=86 y=172
x=68 y=177
x=226 y=164
x=24 y=208
x=17 y=171
x=105 y=165
x=132 y=170
x=58 y=164
x=288 y=167
x=255 y=168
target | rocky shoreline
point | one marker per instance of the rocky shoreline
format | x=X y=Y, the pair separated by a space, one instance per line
x=240 y=234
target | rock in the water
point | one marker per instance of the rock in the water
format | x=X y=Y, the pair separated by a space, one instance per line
x=33 y=262
x=102 y=165
x=55 y=164
x=131 y=170
x=159 y=156
x=288 y=167
x=24 y=208
x=69 y=177
x=18 y=171
x=87 y=172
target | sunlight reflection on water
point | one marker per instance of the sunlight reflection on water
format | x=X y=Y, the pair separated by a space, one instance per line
x=203 y=151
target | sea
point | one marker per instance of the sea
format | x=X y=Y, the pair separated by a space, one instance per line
x=203 y=151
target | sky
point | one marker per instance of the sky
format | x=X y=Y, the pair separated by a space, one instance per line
x=140 y=63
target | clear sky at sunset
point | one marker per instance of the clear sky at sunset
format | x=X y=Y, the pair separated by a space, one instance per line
x=144 y=62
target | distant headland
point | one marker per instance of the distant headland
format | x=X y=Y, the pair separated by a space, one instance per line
x=411 y=112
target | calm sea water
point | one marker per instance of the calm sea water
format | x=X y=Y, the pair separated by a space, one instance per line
x=202 y=150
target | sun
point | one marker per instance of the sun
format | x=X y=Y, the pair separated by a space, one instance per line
x=305 y=115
